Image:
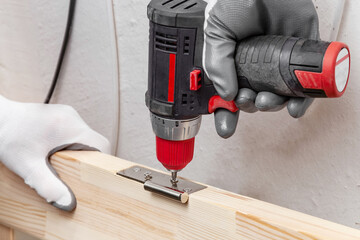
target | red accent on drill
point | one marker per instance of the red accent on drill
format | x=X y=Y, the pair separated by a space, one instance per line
x=174 y=155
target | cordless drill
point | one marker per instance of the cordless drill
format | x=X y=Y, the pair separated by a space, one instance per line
x=179 y=91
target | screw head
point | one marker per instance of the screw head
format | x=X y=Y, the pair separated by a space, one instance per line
x=147 y=175
x=174 y=182
x=187 y=190
x=136 y=169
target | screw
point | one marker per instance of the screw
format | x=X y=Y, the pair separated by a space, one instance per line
x=173 y=179
x=187 y=190
x=136 y=169
x=147 y=175
x=174 y=182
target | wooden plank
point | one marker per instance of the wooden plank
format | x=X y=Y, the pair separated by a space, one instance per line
x=18 y=235
x=6 y=233
x=113 y=207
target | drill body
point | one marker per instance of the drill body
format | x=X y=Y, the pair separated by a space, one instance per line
x=175 y=51
x=179 y=91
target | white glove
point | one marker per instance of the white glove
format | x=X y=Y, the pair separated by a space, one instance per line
x=31 y=132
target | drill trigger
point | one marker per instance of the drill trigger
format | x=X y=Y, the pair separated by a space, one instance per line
x=217 y=102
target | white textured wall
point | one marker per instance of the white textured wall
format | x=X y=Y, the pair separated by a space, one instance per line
x=31 y=34
x=311 y=165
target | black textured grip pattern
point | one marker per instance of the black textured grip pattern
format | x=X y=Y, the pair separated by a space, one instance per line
x=258 y=61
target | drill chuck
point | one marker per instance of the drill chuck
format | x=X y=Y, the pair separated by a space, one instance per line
x=174 y=155
x=175 y=140
x=173 y=129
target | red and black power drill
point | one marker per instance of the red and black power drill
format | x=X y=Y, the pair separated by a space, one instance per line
x=179 y=91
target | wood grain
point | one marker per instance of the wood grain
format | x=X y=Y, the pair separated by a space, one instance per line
x=6 y=233
x=113 y=207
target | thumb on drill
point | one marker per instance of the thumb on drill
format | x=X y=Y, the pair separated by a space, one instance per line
x=222 y=73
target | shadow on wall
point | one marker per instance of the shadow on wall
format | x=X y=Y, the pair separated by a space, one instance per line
x=327 y=122
x=282 y=151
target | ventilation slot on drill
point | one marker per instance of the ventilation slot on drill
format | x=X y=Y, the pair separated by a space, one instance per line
x=186 y=45
x=168 y=1
x=179 y=4
x=184 y=99
x=166 y=42
x=190 y=6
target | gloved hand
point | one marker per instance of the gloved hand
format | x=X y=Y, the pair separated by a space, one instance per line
x=30 y=133
x=228 y=22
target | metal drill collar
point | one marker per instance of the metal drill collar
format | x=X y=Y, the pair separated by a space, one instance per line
x=175 y=130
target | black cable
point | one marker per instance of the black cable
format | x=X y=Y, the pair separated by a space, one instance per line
x=63 y=50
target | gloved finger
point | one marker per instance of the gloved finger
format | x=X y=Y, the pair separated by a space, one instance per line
x=226 y=23
x=270 y=102
x=245 y=100
x=47 y=184
x=298 y=106
x=220 y=67
x=225 y=122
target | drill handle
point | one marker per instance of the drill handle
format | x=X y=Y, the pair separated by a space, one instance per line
x=289 y=66
x=293 y=67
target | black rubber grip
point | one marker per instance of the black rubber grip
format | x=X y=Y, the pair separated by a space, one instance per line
x=267 y=63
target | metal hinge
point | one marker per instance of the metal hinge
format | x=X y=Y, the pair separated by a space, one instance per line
x=161 y=183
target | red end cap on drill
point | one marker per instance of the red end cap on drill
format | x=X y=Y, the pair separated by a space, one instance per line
x=334 y=77
x=174 y=155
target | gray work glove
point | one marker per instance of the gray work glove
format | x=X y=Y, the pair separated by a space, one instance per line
x=229 y=21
